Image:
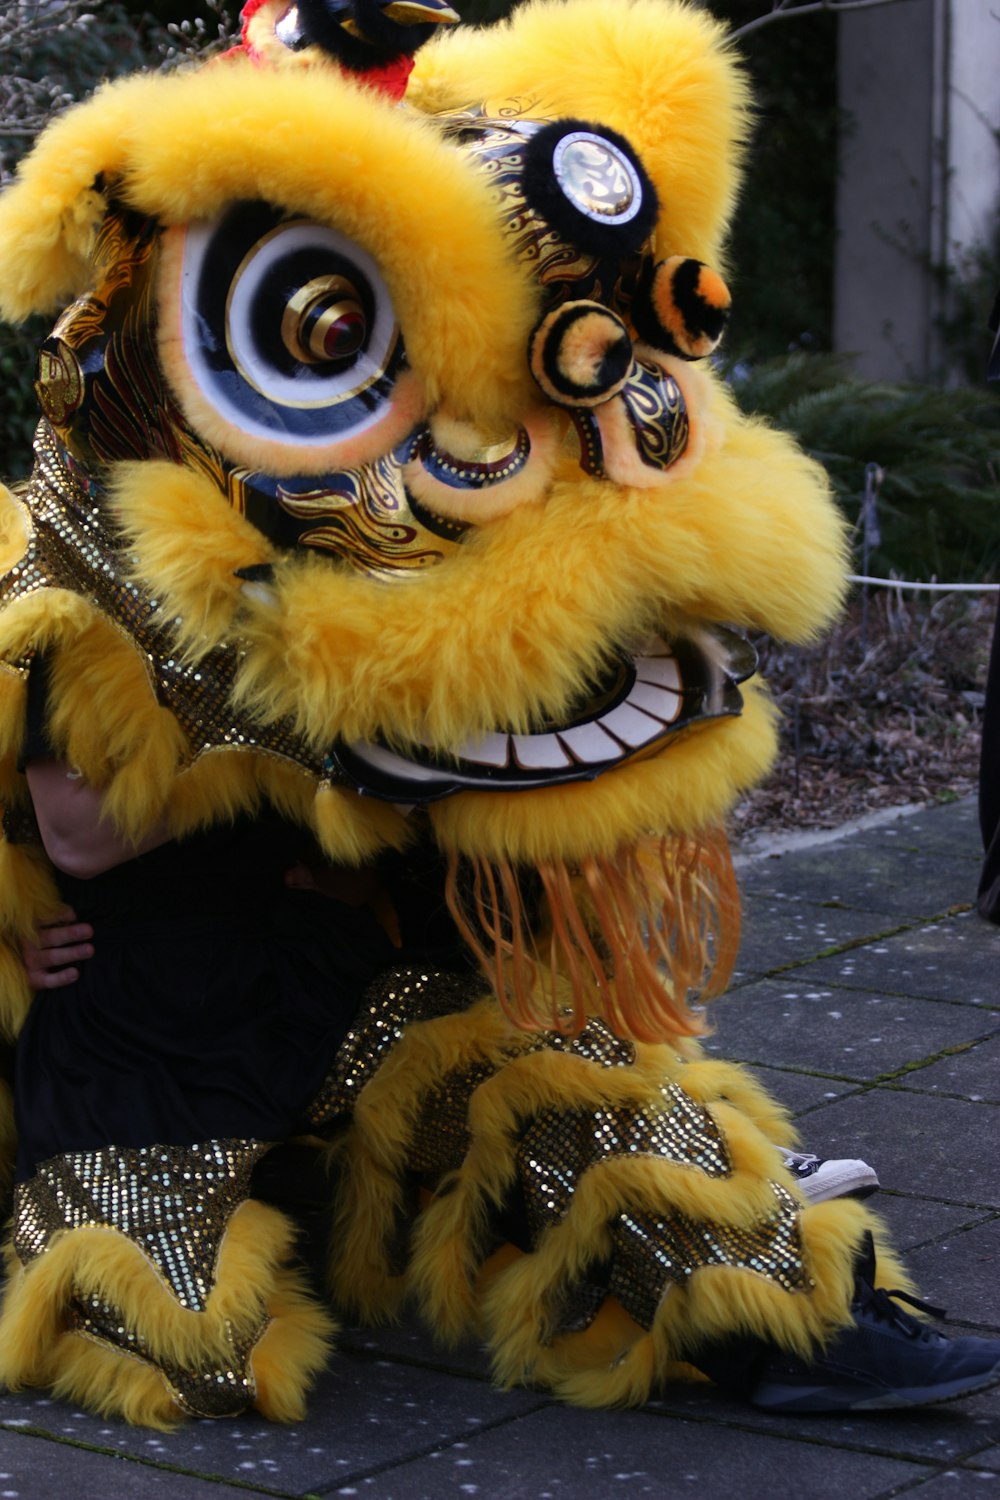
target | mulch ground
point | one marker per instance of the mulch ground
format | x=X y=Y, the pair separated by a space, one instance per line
x=886 y=710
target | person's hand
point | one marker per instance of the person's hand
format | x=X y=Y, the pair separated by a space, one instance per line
x=59 y=945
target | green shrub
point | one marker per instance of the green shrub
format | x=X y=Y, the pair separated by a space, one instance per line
x=939 y=505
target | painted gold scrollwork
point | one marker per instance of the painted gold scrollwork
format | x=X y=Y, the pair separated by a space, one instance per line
x=367 y=520
x=658 y=414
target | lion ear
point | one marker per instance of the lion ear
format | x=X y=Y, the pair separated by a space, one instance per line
x=50 y=215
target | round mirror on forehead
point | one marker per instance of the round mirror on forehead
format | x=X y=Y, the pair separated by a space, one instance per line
x=597 y=178
x=587 y=181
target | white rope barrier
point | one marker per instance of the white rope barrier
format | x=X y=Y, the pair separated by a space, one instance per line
x=931 y=588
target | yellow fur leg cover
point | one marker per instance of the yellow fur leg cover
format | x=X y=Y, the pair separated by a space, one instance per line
x=595 y=1208
x=145 y=1284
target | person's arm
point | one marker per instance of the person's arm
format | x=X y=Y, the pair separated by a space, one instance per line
x=78 y=838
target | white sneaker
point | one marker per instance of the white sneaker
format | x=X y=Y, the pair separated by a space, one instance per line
x=818 y=1179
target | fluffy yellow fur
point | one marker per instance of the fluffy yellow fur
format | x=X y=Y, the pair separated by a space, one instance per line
x=191 y=541
x=689 y=785
x=28 y=895
x=711 y=1079
x=251 y=1282
x=622 y=462
x=535 y=601
x=718 y=1302
x=544 y=593
x=14 y=528
x=111 y=1383
x=658 y=72
x=292 y=1350
x=48 y=220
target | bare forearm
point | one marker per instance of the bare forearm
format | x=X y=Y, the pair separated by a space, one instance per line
x=77 y=836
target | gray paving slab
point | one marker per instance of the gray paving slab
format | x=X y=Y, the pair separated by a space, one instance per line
x=595 y=1455
x=934 y=1435
x=957 y=1484
x=859 y=877
x=409 y=1341
x=964 y=1270
x=972 y=1071
x=359 y=1406
x=803 y=1092
x=777 y=932
x=39 y=1469
x=950 y=828
x=956 y=959
x=910 y=1081
x=846 y=1033
x=914 y=1222
x=924 y=1145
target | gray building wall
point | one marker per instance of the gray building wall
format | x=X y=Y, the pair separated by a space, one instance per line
x=919 y=90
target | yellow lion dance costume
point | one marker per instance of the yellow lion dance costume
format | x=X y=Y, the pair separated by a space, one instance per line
x=379 y=485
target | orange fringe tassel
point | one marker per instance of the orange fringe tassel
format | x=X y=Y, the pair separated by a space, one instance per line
x=634 y=937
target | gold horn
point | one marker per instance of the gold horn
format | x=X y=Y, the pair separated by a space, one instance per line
x=421 y=13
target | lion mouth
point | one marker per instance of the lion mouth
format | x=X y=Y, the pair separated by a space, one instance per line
x=648 y=696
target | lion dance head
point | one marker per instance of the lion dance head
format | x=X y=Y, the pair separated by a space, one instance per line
x=384 y=472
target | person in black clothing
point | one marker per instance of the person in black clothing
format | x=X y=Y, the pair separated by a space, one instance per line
x=988 y=900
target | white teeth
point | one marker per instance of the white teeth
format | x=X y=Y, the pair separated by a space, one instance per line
x=489 y=750
x=631 y=726
x=381 y=759
x=589 y=744
x=653 y=703
x=539 y=752
x=662 y=670
x=661 y=702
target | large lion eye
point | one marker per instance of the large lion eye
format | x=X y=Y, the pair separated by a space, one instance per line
x=281 y=340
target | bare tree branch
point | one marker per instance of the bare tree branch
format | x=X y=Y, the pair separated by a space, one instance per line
x=28 y=103
x=786 y=10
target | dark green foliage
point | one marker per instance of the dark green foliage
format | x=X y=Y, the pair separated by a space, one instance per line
x=972 y=287
x=782 y=247
x=482 y=12
x=18 y=352
x=939 y=449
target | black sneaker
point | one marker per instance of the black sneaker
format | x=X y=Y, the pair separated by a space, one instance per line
x=819 y=1179
x=888 y=1359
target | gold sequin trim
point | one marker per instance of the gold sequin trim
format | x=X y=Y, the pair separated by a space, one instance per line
x=394 y=1001
x=71 y=546
x=559 y=1146
x=172 y=1202
x=652 y=1252
x=209 y=1391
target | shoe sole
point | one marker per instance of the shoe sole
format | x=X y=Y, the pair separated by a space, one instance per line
x=796 y=1399
x=825 y=1185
